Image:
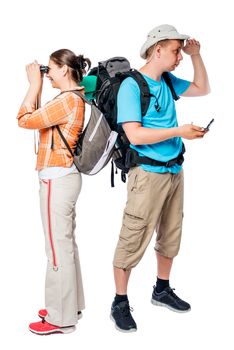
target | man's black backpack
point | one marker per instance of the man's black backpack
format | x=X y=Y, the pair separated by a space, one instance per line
x=102 y=138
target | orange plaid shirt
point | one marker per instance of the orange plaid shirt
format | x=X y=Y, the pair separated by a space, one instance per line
x=67 y=111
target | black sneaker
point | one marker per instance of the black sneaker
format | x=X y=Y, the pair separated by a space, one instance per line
x=170 y=300
x=121 y=315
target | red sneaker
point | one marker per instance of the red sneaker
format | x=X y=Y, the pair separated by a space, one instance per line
x=43 y=328
x=43 y=313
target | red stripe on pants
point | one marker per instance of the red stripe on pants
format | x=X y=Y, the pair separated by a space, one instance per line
x=49 y=227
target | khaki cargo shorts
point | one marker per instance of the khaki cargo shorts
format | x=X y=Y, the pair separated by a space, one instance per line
x=155 y=202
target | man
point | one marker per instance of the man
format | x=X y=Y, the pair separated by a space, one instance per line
x=155 y=193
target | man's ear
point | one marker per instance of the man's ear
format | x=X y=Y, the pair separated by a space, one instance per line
x=157 y=50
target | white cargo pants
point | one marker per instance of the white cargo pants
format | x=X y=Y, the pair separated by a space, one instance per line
x=64 y=295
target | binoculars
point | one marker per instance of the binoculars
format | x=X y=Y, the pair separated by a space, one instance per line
x=44 y=69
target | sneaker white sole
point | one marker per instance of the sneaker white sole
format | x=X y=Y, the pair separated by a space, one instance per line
x=154 y=302
x=63 y=330
x=122 y=330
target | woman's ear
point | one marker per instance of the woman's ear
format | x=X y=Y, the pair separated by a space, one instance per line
x=65 y=69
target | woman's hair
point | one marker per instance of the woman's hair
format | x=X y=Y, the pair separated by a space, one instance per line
x=78 y=65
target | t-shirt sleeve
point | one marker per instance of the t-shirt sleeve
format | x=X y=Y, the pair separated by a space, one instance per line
x=128 y=102
x=179 y=85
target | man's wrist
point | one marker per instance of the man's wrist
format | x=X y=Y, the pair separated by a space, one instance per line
x=177 y=131
x=195 y=54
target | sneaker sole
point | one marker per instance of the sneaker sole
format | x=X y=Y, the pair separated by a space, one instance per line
x=157 y=303
x=122 y=330
x=79 y=316
x=64 y=330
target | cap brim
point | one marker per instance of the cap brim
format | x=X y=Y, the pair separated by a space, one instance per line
x=146 y=46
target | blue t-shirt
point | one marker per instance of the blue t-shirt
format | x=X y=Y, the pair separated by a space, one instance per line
x=129 y=110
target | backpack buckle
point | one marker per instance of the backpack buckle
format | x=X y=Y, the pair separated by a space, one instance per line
x=129 y=159
x=179 y=160
x=171 y=163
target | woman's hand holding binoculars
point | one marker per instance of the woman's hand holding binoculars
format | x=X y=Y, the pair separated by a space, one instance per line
x=35 y=78
x=34 y=75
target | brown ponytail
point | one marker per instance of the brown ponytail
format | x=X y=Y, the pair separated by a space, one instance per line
x=78 y=65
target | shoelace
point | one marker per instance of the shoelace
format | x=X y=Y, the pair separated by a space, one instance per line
x=126 y=311
x=170 y=291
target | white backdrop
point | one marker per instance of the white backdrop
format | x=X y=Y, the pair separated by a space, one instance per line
x=203 y=272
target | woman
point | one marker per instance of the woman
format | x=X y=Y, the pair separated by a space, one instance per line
x=60 y=185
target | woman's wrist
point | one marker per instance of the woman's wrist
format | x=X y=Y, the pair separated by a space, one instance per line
x=35 y=86
x=32 y=94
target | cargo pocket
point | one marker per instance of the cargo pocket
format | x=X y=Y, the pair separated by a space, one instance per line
x=132 y=179
x=139 y=181
x=132 y=232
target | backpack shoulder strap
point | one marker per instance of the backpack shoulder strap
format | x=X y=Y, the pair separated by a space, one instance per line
x=144 y=89
x=64 y=140
x=78 y=93
x=57 y=126
x=167 y=79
